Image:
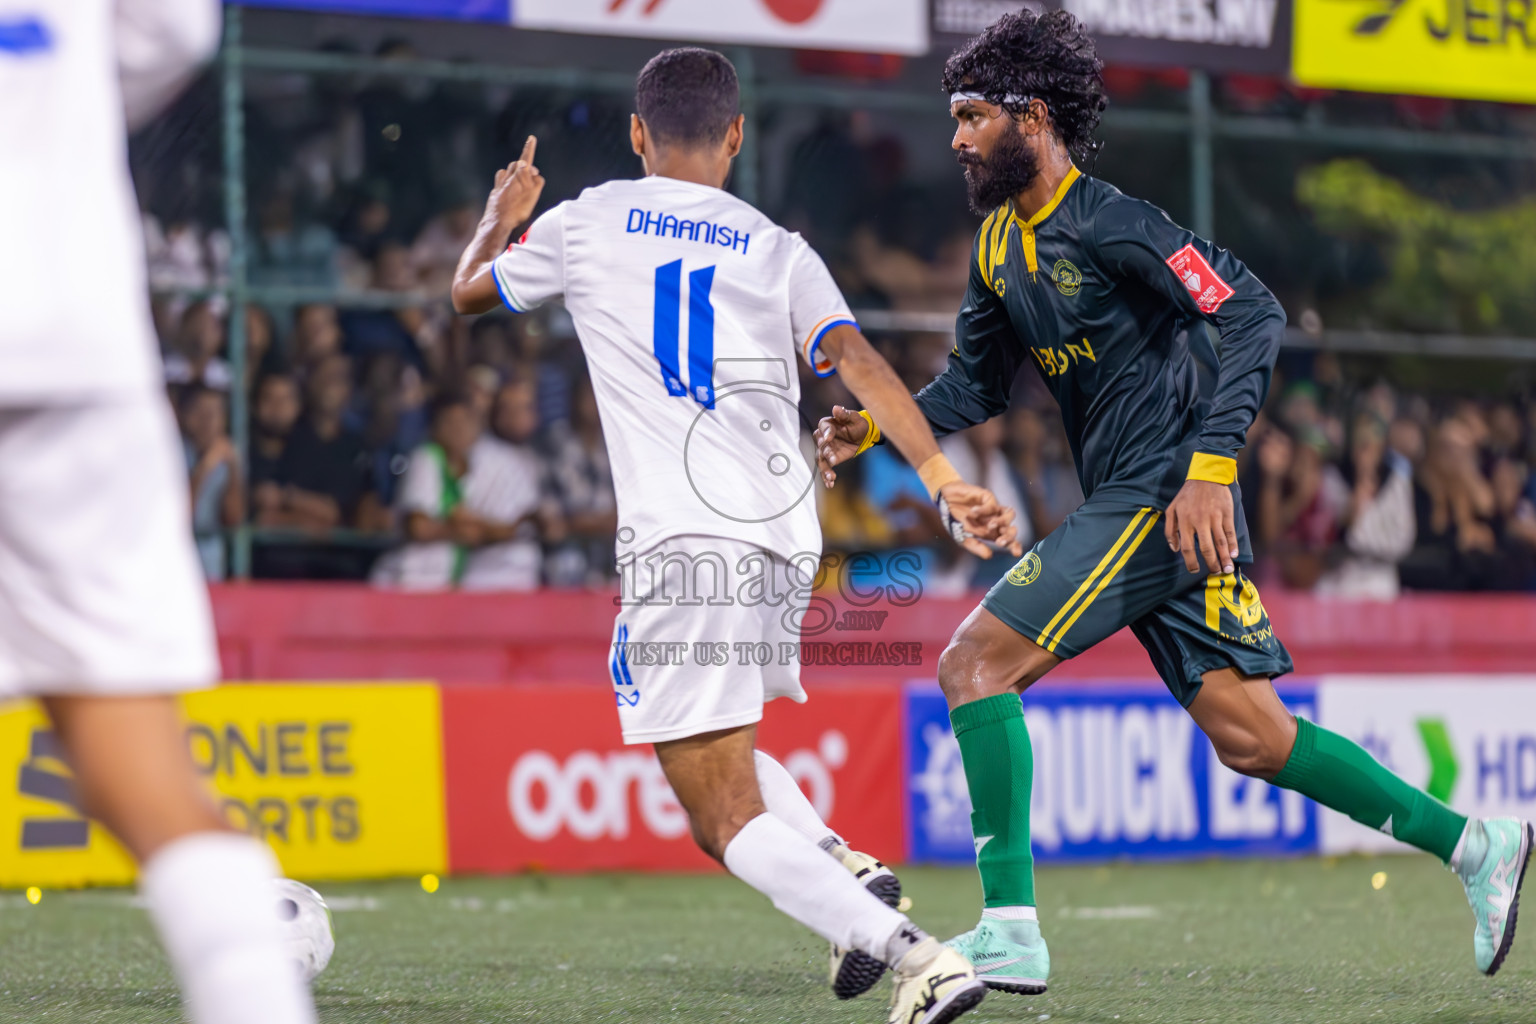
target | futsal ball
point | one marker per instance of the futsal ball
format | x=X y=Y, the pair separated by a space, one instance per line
x=306 y=922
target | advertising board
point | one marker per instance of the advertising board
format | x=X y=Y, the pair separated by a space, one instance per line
x=1120 y=771
x=342 y=781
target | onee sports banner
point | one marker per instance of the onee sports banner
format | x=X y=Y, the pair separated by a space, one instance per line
x=343 y=781
x=1120 y=771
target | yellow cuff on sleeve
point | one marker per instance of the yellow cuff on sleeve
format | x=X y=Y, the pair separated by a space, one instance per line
x=871 y=436
x=1216 y=469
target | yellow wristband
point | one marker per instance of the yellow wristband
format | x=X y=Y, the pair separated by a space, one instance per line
x=937 y=472
x=1215 y=469
x=871 y=436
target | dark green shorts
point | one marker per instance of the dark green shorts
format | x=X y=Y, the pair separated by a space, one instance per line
x=1107 y=566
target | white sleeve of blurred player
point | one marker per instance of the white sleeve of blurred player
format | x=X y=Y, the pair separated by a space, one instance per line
x=532 y=270
x=816 y=305
x=160 y=45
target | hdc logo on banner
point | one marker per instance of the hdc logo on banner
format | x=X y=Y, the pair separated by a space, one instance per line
x=1467 y=740
x=1118 y=772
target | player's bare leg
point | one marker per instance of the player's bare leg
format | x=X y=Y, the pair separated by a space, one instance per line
x=982 y=672
x=207 y=886
x=715 y=778
x=1254 y=734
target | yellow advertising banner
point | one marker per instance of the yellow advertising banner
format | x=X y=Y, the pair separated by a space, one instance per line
x=1471 y=49
x=343 y=781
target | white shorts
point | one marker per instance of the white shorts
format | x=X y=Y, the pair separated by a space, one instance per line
x=100 y=588
x=699 y=657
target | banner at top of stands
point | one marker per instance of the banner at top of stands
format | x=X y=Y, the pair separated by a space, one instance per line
x=1248 y=36
x=875 y=26
x=499 y=11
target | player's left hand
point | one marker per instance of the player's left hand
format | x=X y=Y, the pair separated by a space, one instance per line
x=977 y=511
x=1201 y=518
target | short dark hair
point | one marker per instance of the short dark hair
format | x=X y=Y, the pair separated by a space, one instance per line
x=688 y=96
x=1047 y=56
x=446 y=401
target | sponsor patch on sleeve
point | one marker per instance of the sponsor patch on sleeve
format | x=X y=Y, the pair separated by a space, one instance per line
x=1207 y=289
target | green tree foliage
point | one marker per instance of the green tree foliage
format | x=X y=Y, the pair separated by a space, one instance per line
x=1446 y=269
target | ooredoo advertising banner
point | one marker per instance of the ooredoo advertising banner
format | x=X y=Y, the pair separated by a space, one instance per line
x=538 y=777
x=1120 y=771
x=343 y=781
x=1467 y=740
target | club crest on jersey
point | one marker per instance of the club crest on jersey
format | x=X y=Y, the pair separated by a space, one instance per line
x=1069 y=280
x=1026 y=572
x=999 y=286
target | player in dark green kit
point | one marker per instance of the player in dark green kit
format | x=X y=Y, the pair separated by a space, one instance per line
x=1107 y=298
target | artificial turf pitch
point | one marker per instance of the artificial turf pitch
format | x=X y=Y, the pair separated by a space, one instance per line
x=1262 y=941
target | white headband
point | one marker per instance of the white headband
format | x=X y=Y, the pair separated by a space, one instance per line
x=976 y=97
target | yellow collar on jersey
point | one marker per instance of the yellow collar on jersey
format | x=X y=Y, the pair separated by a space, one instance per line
x=994 y=232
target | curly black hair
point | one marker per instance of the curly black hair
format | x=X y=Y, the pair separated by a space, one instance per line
x=1047 y=56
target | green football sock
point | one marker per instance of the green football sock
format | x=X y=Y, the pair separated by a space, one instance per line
x=1338 y=773
x=999 y=771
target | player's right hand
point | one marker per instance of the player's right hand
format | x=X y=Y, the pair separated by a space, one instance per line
x=517 y=189
x=837 y=440
x=977 y=510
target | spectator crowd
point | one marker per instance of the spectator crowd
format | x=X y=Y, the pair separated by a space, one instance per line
x=389 y=440
x=484 y=467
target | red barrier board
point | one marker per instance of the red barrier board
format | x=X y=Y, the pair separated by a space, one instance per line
x=538 y=777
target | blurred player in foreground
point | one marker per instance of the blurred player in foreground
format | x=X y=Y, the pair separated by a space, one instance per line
x=703 y=429
x=103 y=611
x=1105 y=296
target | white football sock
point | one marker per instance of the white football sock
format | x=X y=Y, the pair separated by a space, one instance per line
x=787 y=802
x=211 y=897
x=816 y=890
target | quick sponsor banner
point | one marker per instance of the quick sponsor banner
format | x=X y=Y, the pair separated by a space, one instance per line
x=538 y=777
x=342 y=781
x=876 y=26
x=1251 y=36
x=1474 y=49
x=1120 y=771
x=1469 y=740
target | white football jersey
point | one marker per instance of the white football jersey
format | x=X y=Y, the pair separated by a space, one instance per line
x=691 y=307
x=74 y=313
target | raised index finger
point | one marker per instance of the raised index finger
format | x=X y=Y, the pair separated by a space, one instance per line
x=528 y=150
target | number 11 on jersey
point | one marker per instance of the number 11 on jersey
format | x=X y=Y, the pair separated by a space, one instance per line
x=701 y=331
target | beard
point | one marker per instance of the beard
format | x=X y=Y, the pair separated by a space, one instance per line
x=991 y=182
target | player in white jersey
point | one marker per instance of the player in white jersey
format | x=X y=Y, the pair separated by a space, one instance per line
x=103 y=611
x=691 y=307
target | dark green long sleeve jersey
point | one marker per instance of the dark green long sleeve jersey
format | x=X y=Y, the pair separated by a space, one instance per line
x=1104 y=294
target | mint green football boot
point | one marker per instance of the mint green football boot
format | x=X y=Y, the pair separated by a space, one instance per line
x=1009 y=956
x=1491 y=860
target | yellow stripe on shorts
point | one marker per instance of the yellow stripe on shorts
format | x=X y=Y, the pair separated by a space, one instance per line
x=1109 y=556
x=1124 y=557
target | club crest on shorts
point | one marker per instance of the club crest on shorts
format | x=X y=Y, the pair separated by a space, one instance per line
x=1026 y=572
x=1069 y=280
